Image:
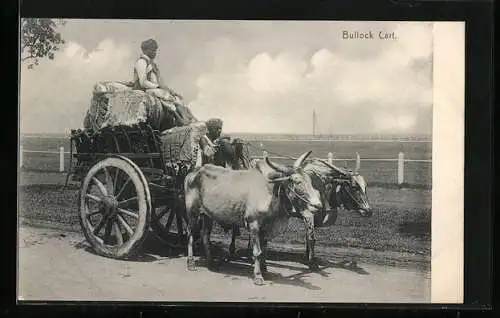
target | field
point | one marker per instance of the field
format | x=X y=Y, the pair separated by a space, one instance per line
x=380 y=173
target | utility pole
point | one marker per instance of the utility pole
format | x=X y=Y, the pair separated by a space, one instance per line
x=314 y=122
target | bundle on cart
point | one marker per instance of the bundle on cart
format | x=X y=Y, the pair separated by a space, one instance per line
x=118 y=104
x=182 y=143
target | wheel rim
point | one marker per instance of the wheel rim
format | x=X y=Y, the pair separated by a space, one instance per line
x=114 y=206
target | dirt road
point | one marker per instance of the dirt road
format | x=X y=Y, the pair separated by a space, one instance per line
x=58 y=265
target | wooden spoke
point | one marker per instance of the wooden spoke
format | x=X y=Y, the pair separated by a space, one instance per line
x=107 y=231
x=129 y=213
x=98 y=211
x=125 y=225
x=115 y=181
x=125 y=202
x=169 y=221
x=162 y=213
x=118 y=233
x=123 y=188
x=93 y=197
x=99 y=226
x=165 y=229
x=101 y=186
x=180 y=228
x=109 y=182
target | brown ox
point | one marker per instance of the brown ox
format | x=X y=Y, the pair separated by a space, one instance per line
x=237 y=198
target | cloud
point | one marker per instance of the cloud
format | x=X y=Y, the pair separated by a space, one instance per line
x=388 y=122
x=56 y=94
x=107 y=60
x=278 y=75
x=257 y=76
x=277 y=93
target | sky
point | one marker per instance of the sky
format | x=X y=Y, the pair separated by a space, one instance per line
x=258 y=76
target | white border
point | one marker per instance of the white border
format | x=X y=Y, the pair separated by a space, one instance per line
x=448 y=162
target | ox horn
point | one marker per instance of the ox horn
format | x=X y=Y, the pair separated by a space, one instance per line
x=275 y=167
x=335 y=168
x=298 y=163
x=277 y=180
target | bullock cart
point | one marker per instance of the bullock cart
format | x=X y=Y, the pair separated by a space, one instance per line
x=131 y=183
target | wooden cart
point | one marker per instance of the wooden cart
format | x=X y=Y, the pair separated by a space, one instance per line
x=129 y=186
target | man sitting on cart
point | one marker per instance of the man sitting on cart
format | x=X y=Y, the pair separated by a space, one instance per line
x=147 y=78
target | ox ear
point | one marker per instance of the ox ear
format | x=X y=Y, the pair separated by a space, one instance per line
x=300 y=161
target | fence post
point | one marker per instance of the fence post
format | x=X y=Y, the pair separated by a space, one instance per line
x=61 y=159
x=330 y=158
x=358 y=162
x=21 y=156
x=401 y=168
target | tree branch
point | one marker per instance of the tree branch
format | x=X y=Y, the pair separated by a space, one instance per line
x=40 y=39
x=27 y=58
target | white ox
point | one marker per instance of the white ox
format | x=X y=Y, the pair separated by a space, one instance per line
x=247 y=198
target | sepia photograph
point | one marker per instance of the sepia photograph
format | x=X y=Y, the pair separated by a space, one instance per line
x=240 y=161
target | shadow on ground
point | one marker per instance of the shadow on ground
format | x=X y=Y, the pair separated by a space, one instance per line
x=241 y=266
x=153 y=249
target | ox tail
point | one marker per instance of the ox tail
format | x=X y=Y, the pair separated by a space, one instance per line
x=189 y=179
x=192 y=199
x=190 y=189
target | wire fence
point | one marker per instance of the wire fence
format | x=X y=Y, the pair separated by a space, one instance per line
x=398 y=170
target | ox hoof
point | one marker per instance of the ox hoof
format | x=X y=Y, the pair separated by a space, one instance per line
x=259 y=281
x=263 y=269
x=191 y=265
x=314 y=267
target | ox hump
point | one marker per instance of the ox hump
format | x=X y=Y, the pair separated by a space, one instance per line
x=239 y=180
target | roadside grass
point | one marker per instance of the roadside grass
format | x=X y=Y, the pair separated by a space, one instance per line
x=401 y=222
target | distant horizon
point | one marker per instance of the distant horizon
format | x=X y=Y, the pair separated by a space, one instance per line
x=264 y=134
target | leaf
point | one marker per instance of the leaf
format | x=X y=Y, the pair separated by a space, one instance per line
x=40 y=39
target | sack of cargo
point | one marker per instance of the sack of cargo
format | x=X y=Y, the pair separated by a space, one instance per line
x=111 y=87
x=183 y=143
x=115 y=104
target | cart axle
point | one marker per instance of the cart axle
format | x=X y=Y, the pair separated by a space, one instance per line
x=111 y=205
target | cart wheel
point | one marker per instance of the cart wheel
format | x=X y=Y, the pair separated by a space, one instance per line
x=115 y=207
x=169 y=224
